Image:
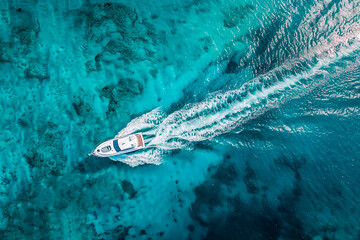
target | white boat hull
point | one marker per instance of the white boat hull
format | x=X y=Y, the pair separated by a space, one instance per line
x=121 y=145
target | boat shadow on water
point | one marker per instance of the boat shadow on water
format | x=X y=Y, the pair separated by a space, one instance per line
x=92 y=164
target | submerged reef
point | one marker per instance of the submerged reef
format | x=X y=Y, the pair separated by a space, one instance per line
x=121 y=93
x=228 y=213
x=81 y=104
x=46 y=157
x=128 y=188
x=236 y=15
x=54 y=207
x=117 y=33
x=250 y=179
x=280 y=160
x=21 y=47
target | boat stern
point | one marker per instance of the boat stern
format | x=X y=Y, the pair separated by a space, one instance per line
x=140 y=140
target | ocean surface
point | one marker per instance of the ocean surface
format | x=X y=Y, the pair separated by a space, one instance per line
x=250 y=110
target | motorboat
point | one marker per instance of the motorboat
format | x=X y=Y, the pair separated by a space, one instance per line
x=119 y=145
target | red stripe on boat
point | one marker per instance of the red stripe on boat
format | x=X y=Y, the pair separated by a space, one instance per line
x=140 y=140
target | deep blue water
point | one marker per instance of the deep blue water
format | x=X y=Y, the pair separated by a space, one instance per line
x=250 y=109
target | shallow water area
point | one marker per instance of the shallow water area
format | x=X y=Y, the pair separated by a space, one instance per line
x=249 y=110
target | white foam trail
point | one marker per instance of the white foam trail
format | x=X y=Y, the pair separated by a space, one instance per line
x=146 y=122
x=222 y=112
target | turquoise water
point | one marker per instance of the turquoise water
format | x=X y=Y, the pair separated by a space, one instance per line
x=250 y=110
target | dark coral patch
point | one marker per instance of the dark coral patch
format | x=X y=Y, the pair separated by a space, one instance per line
x=117 y=33
x=236 y=15
x=45 y=157
x=250 y=179
x=25 y=54
x=128 y=188
x=122 y=92
x=228 y=217
x=226 y=174
x=80 y=104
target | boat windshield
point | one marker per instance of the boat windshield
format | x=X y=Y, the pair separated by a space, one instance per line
x=106 y=149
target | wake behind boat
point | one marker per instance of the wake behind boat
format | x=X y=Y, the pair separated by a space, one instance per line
x=121 y=145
